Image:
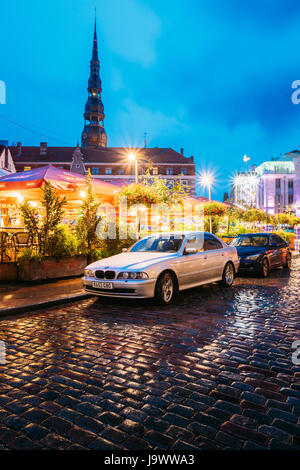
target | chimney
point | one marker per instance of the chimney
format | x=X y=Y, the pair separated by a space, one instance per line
x=192 y=158
x=181 y=151
x=43 y=148
x=19 y=149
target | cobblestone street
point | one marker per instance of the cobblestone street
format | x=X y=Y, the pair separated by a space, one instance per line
x=212 y=371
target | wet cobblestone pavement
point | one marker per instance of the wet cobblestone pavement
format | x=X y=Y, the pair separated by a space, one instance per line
x=212 y=371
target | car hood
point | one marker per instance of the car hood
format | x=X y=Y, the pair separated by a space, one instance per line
x=244 y=251
x=132 y=260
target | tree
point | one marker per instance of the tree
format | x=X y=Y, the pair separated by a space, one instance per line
x=215 y=210
x=88 y=220
x=165 y=193
x=41 y=222
x=137 y=194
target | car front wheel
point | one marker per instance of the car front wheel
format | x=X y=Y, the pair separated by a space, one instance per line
x=165 y=288
x=228 y=275
x=288 y=261
x=265 y=267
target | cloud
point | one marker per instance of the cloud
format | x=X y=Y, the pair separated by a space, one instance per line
x=132 y=120
x=136 y=29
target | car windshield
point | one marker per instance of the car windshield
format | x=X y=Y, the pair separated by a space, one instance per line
x=250 y=240
x=161 y=243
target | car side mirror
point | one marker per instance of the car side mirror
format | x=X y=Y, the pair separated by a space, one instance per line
x=190 y=251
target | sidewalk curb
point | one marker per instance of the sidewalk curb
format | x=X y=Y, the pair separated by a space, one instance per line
x=47 y=303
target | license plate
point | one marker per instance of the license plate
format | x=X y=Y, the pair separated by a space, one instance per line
x=103 y=285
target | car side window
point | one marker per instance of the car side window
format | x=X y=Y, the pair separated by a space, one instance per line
x=195 y=241
x=279 y=241
x=211 y=243
x=275 y=240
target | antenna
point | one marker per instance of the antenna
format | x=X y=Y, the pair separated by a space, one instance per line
x=145 y=140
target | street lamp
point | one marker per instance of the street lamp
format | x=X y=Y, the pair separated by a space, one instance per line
x=207 y=179
x=133 y=159
x=246 y=160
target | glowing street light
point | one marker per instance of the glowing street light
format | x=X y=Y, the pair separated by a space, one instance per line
x=133 y=159
x=246 y=160
x=206 y=180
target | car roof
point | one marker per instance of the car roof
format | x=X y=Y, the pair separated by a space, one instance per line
x=263 y=234
x=180 y=232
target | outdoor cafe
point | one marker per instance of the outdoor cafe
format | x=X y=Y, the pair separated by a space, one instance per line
x=18 y=187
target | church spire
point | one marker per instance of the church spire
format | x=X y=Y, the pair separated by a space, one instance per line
x=93 y=134
x=95 y=45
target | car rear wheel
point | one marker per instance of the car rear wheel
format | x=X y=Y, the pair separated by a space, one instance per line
x=265 y=267
x=165 y=289
x=288 y=262
x=228 y=275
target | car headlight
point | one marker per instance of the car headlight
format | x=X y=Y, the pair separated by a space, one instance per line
x=88 y=273
x=253 y=257
x=132 y=275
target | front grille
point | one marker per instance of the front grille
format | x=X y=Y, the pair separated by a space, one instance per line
x=110 y=274
x=100 y=274
x=116 y=290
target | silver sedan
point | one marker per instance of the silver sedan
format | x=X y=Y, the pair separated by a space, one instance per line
x=160 y=265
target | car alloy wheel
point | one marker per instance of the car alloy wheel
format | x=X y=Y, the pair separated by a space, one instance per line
x=228 y=275
x=265 y=267
x=165 y=288
x=288 y=262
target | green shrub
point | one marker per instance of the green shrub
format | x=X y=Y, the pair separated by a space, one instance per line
x=29 y=254
x=61 y=243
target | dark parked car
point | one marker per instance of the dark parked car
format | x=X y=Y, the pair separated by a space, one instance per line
x=261 y=252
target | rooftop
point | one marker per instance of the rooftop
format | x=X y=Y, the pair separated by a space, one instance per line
x=97 y=155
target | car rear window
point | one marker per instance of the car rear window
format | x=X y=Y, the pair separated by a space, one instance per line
x=250 y=240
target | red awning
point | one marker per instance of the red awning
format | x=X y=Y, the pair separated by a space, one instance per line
x=60 y=179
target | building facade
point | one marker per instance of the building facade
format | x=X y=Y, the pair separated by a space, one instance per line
x=272 y=186
x=110 y=164
x=93 y=156
x=6 y=161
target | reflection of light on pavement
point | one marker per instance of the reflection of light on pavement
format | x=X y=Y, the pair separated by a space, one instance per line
x=246 y=303
x=7 y=297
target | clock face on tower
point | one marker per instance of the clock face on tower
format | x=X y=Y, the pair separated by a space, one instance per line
x=84 y=135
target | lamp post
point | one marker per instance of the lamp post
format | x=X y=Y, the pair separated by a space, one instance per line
x=207 y=180
x=133 y=159
x=246 y=160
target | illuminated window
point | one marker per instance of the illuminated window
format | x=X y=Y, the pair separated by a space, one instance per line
x=95 y=171
x=27 y=168
x=108 y=171
x=155 y=170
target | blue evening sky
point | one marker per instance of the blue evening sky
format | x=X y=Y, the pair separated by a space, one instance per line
x=211 y=77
